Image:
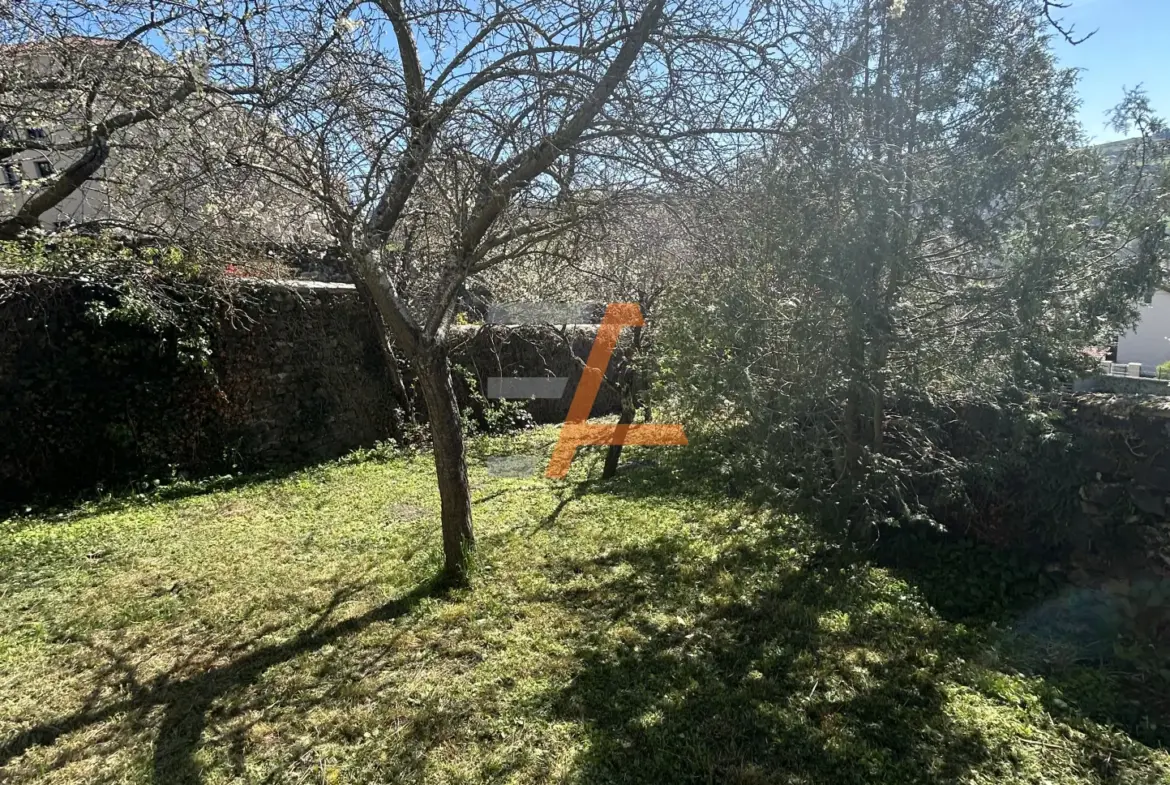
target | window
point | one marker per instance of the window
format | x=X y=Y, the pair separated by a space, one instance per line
x=11 y=174
x=36 y=133
x=44 y=168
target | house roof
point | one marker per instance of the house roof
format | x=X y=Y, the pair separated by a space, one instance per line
x=71 y=40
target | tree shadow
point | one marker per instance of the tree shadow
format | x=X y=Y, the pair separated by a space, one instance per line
x=90 y=502
x=963 y=579
x=805 y=674
x=1118 y=680
x=690 y=472
x=1099 y=651
x=187 y=703
x=567 y=496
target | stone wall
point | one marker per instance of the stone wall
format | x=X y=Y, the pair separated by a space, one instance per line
x=535 y=351
x=301 y=376
x=290 y=374
x=1123 y=445
x=1085 y=474
x=1122 y=385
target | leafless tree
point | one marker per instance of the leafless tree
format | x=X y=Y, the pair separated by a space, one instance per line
x=1052 y=9
x=442 y=140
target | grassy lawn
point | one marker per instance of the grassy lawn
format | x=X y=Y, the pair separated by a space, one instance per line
x=643 y=630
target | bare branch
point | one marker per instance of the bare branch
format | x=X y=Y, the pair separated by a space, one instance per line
x=1058 y=24
x=59 y=187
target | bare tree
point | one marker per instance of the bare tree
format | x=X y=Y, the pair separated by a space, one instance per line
x=1067 y=32
x=442 y=140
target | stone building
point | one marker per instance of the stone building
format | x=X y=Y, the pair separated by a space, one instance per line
x=168 y=158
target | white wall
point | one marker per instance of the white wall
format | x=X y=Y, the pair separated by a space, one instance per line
x=1149 y=344
x=87 y=203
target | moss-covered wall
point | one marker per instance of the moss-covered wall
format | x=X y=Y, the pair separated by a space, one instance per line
x=289 y=375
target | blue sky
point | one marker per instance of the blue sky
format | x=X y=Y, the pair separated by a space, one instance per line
x=1131 y=47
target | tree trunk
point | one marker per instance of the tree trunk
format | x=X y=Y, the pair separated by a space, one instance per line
x=45 y=199
x=434 y=377
x=851 y=467
x=631 y=390
x=397 y=386
x=614 y=454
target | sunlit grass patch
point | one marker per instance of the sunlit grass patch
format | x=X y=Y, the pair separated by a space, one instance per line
x=286 y=631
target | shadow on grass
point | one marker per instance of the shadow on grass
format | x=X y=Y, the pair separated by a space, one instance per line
x=827 y=673
x=82 y=503
x=1101 y=656
x=1097 y=663
x=91 y=502
x=743 y=660
x=1115 y=680
x=965 y=580
x=186 y=703
x=791 y=674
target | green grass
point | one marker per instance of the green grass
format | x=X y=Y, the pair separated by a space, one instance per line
x=646 y=629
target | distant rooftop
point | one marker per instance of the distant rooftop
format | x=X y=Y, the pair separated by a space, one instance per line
x=72 y=40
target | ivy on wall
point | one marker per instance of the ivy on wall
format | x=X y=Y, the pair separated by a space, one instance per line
x=120 y=367
x=102 y=384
